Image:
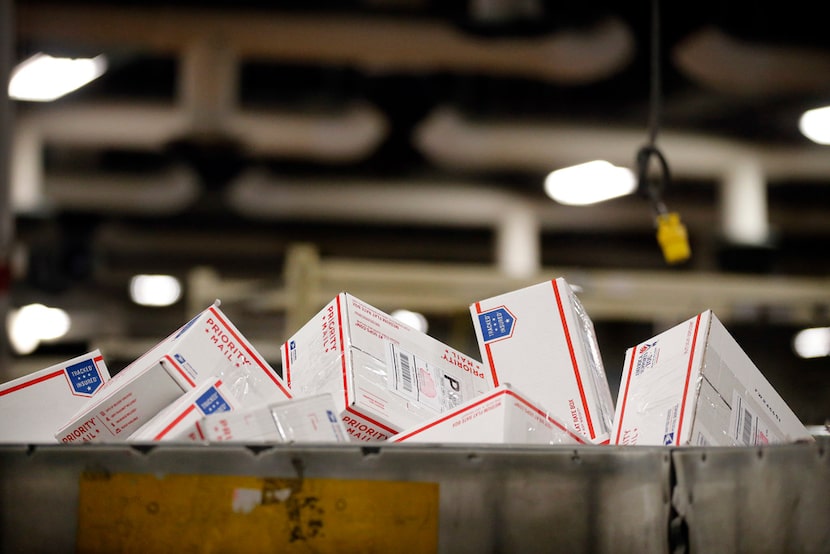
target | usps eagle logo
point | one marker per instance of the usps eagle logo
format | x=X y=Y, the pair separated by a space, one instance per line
x=645 y=347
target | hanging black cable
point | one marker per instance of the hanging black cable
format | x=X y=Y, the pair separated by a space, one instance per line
x=655 y=99
x=651 y=188
x=671 y=234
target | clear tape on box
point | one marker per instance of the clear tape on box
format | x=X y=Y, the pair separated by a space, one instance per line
x=540 y=339
x=599 y=379
x=248 y=377
x=310 y=419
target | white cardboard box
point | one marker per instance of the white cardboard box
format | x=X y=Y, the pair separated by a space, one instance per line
x=177 y=422
x=208 y=345
x=311 y=419
x=694 y=385
x=384 y=376
x=34 y=406
x=501 y=416
x=540 y=339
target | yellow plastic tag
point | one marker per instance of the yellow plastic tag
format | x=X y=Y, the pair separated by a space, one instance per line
x=673 y=239
x=209 y=513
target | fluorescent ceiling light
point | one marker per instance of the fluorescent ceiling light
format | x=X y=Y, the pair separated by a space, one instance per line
x=155 y=290
x=815 y=125
x=413 y=319
x=43 y=78
x=812 y=343
x=589 y=183
x=34 y=323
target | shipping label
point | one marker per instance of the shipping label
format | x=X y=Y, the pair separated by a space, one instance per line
x=415 y=379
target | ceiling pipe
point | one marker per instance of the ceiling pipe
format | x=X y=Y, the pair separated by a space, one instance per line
x=518 y=220
x=144 y=127
x=164 y=193
x=369 y=43
x=710 y=56
x=208 y=94
x=743 y=170
x=450 y=139
x=260 y=195
x=743 y=200
x=206 y=107
x=105 y=125
x=26 y=173
x=348 y=134
x=207 y=86
x=518 y=242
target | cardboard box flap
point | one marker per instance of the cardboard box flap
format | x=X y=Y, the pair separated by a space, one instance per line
x=501 y=416
x=34 y=406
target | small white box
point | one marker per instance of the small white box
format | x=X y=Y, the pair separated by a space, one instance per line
x=34 y=406
x=541 y=340
x=384 y=376
x=694 y=385
x=311 y=419
x=177 y=422
x=209 y=345
x=501 y=416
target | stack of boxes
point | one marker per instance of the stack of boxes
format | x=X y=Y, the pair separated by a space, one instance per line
x=208 y=347
x=354 y=373
x=205 y=368
x=310 y=419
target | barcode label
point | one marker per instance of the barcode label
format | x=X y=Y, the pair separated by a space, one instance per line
x=406 y=372
x=401 y=376
x=743 y=422
x=746 y=435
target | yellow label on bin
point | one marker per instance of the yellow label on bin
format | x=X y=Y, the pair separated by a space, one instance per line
x=211 y=513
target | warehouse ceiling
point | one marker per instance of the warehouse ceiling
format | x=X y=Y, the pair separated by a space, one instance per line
x=409 y=130
x=486 y=94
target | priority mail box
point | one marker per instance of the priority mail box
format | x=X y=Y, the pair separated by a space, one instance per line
x=384 y=376
x=208 y=345
x=501 y=416
x=694 y=385
x=177 y=422
x=33 y=407
x=311 y=419
x=541 y=340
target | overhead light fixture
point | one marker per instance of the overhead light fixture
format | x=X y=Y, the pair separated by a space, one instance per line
x=815 y=125
x=812 y=343
x=413 y=319
x=43 y=78
x=589 y=183
x=34 y=323
x=155 y=290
